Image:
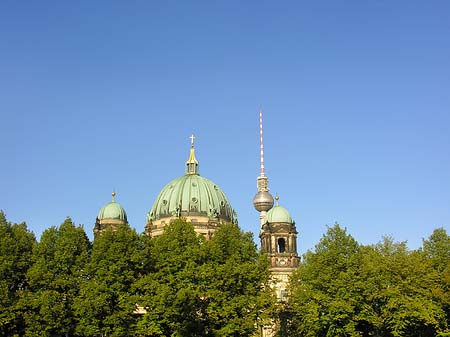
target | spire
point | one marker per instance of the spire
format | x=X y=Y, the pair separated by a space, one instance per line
x=113 y=194
x=262 y=179
x=262 y=201
x=261 y=145
x=192 y=162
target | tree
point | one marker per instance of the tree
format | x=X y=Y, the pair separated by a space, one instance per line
x=437 y=248
x=170 y=289
x=16 y=244
x=398 y=288
x=344 y=289
x=58 y=269
x=105 y=304
x=437 y=251
x=196 y=287
x=235 y=284
x=324 y=297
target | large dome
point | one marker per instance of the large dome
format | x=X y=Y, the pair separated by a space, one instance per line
x=193 y=197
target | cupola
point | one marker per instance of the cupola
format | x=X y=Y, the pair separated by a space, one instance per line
x=111 y=215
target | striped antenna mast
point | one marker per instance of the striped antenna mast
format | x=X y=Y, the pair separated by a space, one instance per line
x=261 y=142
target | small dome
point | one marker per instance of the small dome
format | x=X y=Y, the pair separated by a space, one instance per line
x=263 y=201
x=112 y=210
x=278 y=214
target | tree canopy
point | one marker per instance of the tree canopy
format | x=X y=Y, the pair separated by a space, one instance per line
x=180 y=284
x=197 y=287
x=345 y=289
x=16 y=245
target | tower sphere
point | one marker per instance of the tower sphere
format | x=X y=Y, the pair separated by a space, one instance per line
x=263 y=201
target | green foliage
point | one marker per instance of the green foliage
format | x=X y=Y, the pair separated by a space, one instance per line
x=203 y=288
x=105 y=304
x=399 y=287
x=437 y=250
x=16 y=244
x=235 y=283
x=169 y=290
x=189 y=286
x=54 y=280
x=344 y=289
x=324 y=297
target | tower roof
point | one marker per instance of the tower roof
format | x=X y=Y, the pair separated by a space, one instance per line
x=112 y=210
x=278 y=214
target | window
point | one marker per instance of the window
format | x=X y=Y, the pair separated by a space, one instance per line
x=281 y=245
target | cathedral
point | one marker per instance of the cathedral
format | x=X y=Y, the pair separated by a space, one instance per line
x=201 y=202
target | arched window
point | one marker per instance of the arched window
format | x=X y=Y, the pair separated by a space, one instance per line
x=281 y=245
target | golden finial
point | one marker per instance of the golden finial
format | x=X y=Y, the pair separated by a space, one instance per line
x=113 y=196
x=192 y=163
x=277 y=198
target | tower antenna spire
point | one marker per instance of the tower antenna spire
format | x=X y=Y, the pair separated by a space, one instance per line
x=262 y=201
x=261 y=144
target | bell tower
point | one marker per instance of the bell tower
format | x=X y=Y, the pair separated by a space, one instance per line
x=279 y=241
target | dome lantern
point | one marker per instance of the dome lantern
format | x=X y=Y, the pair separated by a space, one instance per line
x=192 y=162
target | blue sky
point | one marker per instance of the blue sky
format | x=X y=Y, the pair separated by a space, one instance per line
x=103 y=95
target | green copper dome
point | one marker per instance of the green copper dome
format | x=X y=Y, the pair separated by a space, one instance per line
x=190 y=196
x=278 y=214
x=112 y=210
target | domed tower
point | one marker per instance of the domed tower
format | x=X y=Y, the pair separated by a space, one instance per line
x=279 y=241
x=110 y=216
x=193 y=197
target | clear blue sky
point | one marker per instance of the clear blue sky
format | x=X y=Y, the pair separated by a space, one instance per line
x=103 y=95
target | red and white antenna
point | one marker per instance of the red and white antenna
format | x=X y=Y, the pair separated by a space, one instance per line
x=261 y=142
